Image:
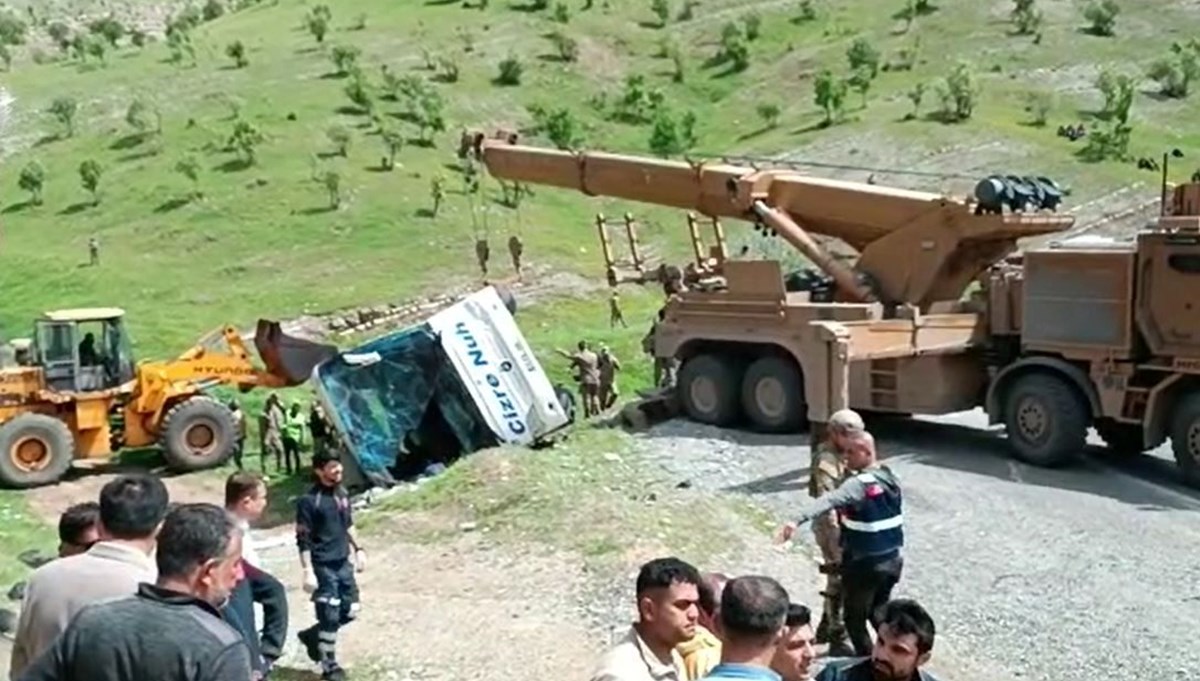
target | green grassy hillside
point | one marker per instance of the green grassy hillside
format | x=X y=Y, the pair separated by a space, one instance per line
x=263 y=239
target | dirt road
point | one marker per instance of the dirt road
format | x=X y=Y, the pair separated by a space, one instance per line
x=1063 y=575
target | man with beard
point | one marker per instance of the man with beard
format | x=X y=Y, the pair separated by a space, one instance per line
x=903 y=646
x=795 y=653
x=667 y=597
x=171 y=630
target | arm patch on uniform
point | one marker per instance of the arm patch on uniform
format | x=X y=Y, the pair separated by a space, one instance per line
x=874 y=489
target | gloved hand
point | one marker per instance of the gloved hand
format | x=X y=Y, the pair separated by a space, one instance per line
x=360 y=560
x=310 y=581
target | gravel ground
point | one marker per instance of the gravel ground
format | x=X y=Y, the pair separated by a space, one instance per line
x=1064 y=575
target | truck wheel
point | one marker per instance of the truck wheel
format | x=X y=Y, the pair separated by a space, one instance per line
x=1185 y=439
x=566 y=400
x=1046 y=420
x=708 y=390
x=773 y=395
x=198 y=433
x=1122 y=438
x=35 y=450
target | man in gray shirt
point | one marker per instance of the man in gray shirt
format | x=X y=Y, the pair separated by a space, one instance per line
x=168 y=631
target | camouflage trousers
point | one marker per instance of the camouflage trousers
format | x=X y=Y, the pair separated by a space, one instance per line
x=832 y=628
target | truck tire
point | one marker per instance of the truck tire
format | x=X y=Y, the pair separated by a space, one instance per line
x=773 y=395
x=35 y=450
x=1124 y=439
x=566 y=400
x=1046 y=420
x=1185 y=439
x=197 y=434
x=709 y=389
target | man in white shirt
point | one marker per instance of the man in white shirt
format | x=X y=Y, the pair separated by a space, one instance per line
x=132 y=508
x=246 y=500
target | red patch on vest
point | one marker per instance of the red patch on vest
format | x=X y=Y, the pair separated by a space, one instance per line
x=874 y=490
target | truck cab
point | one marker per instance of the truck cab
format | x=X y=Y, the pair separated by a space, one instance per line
x=83 y=350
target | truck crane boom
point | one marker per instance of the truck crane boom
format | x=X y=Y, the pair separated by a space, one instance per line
x=914 y=247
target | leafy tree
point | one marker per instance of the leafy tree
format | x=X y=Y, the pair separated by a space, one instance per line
x=32 y=179
x=1176 y=72
x=340 y=137
x=559 y=125
x=1027 y=17
x=236 y=51
x=670 y=136
x=562 y=14
x=637 y=102
x=958 y=93
x=317 y=22
x=734 y=48
x=64 y=109
x=94 y=46
x=345 y=58
x=360 y=95
x=107 y=28
x=393 y=142
x=807 y=11
x=769 y=113
x=332 y=180
x=179 y=42
x=662 y=10
x=190 y=17
x=863 y=55
x=860 y=81
x=89 y=176
x=1118 y=90
x=245 y=140
x=189 y=167
x=138 y=37
x=430 y=115
x=566 y=46
x=752 y=26
x=60 y=33
x=139 y=116
x=213 y=9
x=12 y=28
x=511 y=70
x=1102 y=17
x=830 y=94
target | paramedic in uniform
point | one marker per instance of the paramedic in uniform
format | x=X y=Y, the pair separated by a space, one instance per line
x=868 y=503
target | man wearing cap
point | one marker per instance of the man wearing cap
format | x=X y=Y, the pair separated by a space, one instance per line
x=826 y=475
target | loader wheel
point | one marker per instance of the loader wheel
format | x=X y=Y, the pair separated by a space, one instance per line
x=1046 y=420
x=773 y=395
x=709 y=388
x=35 y=450
x=198 y=433
x=1185 y=439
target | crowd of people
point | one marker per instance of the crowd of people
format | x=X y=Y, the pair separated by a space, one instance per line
x=144 y=588
x=692 y=626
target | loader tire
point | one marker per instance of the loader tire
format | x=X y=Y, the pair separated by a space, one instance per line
x=35 y=450
x=197 y=434
x=1046 y=420
x=709 y=389
x=1185 y=439
x=773 y=395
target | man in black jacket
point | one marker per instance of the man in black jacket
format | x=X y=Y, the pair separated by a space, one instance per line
x=168 y=631
x=903 y=646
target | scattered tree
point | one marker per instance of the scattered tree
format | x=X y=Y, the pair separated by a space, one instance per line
x=430 y=115
x=236 y=51
x=769 y=113
x=1118 y=90
x=734 y=49
x=189 y=167
x=863 y=55
x=245 y=140
x=12 y=28
x=1102 y=17
x=1176 y=72
x=107 y=28
x=213 y=9
x=1039 y=104
x=958 y=93
x=807 y=11
x=562 y=14
x=511 y=70
x=345 y=59
x=89 y=176
x=752 y=26
x=317 y=22
x=340 y=137
x=360 y=95
x=393 y=142
x=688 y=11
x=559 y=125
x=32 y=179
x=638 y=102
x=179 y=42
x=138 y=37
x=143 y=118
x=60 y=33
x=830 y=94
x=860 y=81
x=64 y=109
x=93 y=46
x=670 y=136
x=1027 y=17
x=566 y=46
x=662 y=10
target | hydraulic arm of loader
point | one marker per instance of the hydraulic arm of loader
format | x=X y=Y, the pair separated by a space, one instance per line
x=916 y=247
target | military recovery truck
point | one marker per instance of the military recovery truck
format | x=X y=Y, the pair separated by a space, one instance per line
x=1049 y=342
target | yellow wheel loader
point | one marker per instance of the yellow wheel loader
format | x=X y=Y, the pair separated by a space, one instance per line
x=73 y=391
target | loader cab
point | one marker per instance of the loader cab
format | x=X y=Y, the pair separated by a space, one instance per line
x=84 y=350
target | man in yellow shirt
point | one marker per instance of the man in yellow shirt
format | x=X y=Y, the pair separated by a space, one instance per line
x=703 y=651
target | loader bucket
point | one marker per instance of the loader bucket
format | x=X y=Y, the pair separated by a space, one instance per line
x=292 y=359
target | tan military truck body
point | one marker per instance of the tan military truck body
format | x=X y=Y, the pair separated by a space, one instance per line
x=1049 y=343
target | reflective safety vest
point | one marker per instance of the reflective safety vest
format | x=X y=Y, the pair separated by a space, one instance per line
x=873 y=529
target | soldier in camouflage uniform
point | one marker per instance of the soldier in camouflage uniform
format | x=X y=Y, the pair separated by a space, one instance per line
x=827 y=473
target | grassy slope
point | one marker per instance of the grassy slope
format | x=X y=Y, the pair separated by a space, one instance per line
x=249 y=250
